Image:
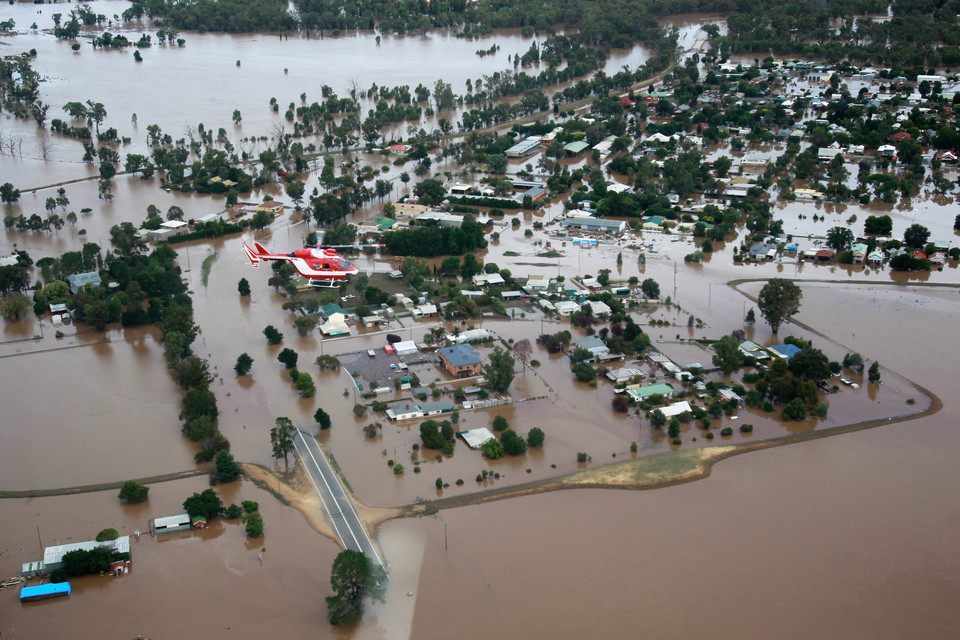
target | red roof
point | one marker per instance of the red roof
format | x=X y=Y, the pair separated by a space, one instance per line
x=626 y=102
x=902 y=135
x=824 y=253
x=918 y=254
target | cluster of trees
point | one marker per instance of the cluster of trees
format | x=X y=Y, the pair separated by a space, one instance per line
x=433 y=240
x=438 y=435
x=81 y=562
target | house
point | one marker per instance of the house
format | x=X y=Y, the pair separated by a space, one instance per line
x=875 y=258
x=405 y=348
x=459 y=189
x=511 y=295
x=488 y=279
x=78 y=281
x=763 y=251
x=599 y=308
x=824 y=255
x=270 y=206
x=167 y=230
x=575 y=148
x=586 y=223
x=827 y=154
x=460 y=360
x=199 y=522
x=524 y=148
x=53 y=556
x=169 y=524
x=425 y=310
x=784 y=351
x=476 y=437
x=336 y=325
x=436 y=408
x=755 y=163
x=886 y=151
x=658 y=389
x=441 y=218
x=753 y=350
x=859 y=251
x=594 y=345
x=469 y=335
x=537 y=282
x=676 y=408
x=624 y=375
x=899 y=136
x=410 y=209
x=404 y=411
x=728 y=395
x=566 y=308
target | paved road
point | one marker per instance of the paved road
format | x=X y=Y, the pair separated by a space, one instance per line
x=337 y=505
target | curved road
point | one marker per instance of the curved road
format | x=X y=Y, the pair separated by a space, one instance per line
x=337 y=505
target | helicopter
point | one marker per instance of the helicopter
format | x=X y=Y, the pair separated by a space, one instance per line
x=320 y=265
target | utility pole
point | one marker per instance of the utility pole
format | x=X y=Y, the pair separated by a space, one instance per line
x=444 y=535
x=39 y=539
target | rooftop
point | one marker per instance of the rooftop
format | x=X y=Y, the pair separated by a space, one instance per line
x=460 y=355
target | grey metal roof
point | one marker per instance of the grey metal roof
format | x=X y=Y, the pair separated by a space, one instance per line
x=460 y=355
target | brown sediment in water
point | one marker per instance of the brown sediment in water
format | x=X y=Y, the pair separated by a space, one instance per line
x=294 y=492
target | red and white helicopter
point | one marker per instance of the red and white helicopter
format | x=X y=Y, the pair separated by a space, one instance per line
x=320 y=265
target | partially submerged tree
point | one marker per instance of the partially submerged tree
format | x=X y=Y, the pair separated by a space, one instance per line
x=352 y=577
x=133 y=492
x=281 y=438
x=778 y=300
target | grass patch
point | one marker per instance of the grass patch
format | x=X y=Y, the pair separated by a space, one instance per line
x=550 y=254
x=206 y=266
x=511 y=254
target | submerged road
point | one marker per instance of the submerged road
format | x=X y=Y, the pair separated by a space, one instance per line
x=337 y=505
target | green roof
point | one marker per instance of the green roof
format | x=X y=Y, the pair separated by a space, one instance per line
x=660 y=388
x=384 y=223
x=576 y=147
x=330 y=308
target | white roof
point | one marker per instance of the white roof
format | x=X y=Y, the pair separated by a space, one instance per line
x=468 y=336
x=173 y=224
x=405 y=347
x=54 y=555
x=9 y=261
x=676 y=408
x=476 y=437
x=172 y=521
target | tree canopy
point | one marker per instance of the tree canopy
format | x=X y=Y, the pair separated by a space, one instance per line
x=352 y=577
x=778 y=300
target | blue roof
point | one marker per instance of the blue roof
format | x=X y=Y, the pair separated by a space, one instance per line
x=786 y=350
x=42 y=590
x=460 y=355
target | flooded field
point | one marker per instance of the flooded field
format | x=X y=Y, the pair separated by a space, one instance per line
x=851 y=536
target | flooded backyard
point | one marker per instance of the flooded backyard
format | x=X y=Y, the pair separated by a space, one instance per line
x=849 y=536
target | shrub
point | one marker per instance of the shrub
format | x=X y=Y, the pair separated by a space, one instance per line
x=254 y=525
x=746 y=428
x=397 y=469
x=513 y=443
x=535 y=437
x=582 y=456
x=250 y=506
x=233 y=512
x=492 y=448
x=359 y=410
x=133 y=492
x=709 y=435
x=500 y=423
x=676 y=442
x=439 y=483
x=107 y=534
x=633 y=447
x=726 y=431
x=459 y=482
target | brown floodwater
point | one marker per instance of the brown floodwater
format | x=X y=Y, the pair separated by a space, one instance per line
x=852 y=536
